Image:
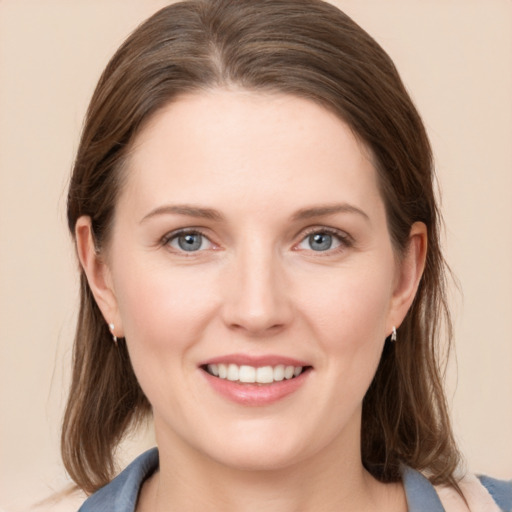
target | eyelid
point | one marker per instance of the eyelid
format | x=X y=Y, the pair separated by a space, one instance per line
x=168 y=237
x=344 y=238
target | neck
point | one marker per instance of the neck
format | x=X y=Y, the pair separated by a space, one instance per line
x=330 y=481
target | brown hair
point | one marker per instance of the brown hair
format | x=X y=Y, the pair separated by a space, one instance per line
x=306 y=48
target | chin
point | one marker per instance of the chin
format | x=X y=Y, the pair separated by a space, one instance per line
x=258 y=460
x=262 y=452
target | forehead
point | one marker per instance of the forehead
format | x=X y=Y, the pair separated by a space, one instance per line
x=229 y=145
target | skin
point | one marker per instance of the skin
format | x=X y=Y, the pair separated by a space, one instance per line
x=257 y=286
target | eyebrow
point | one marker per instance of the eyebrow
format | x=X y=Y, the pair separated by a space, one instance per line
x=328 y=209
x=211 y=214
x=184 y=209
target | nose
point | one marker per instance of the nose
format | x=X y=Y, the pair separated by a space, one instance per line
x=257 y=300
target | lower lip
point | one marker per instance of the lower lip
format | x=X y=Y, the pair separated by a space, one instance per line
x=256 y=394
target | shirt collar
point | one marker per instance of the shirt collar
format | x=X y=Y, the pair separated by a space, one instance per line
x=121 y=494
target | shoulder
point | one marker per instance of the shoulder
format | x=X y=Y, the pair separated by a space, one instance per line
x=122 y=492
x=482 y=493
x=500 y=490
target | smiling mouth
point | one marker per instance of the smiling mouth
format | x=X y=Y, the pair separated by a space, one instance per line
x=254 y=375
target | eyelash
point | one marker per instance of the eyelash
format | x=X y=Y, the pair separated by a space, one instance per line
x=345 y=240
x=169 y=237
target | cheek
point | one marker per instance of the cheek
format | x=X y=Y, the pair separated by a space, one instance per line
x=163 y=313
x=349 y=308
x=157 y=303
x=348 y=315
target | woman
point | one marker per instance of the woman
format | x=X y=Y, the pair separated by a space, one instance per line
x=253 y=211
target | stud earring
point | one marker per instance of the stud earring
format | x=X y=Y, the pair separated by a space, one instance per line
x=114 y=337
x=393 y=334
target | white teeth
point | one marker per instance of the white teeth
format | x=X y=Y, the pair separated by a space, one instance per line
x=264 y=375
x=247 y=374
x=251 y=374
x=279 y=372
x=233 y=372
x=223 y=371
x=213 y=369
x=288 y=372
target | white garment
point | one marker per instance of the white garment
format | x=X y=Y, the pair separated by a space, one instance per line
x=477 y=497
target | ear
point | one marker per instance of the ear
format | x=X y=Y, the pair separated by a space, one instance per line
x=97 y=273
x=409 y=272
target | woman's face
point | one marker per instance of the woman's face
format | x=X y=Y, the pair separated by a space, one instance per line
x=250 y=241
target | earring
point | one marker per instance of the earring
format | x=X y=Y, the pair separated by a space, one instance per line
x=114 y=337
x=393 y=334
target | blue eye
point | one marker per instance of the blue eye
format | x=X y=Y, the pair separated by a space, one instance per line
x=320 y=241
x=188 y=242
x=323 y=240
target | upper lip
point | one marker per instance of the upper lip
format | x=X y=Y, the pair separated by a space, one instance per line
x=255 y=360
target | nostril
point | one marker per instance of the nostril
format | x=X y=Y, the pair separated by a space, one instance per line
x=256 y=327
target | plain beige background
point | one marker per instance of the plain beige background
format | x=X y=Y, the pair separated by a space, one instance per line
x=455 y=57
